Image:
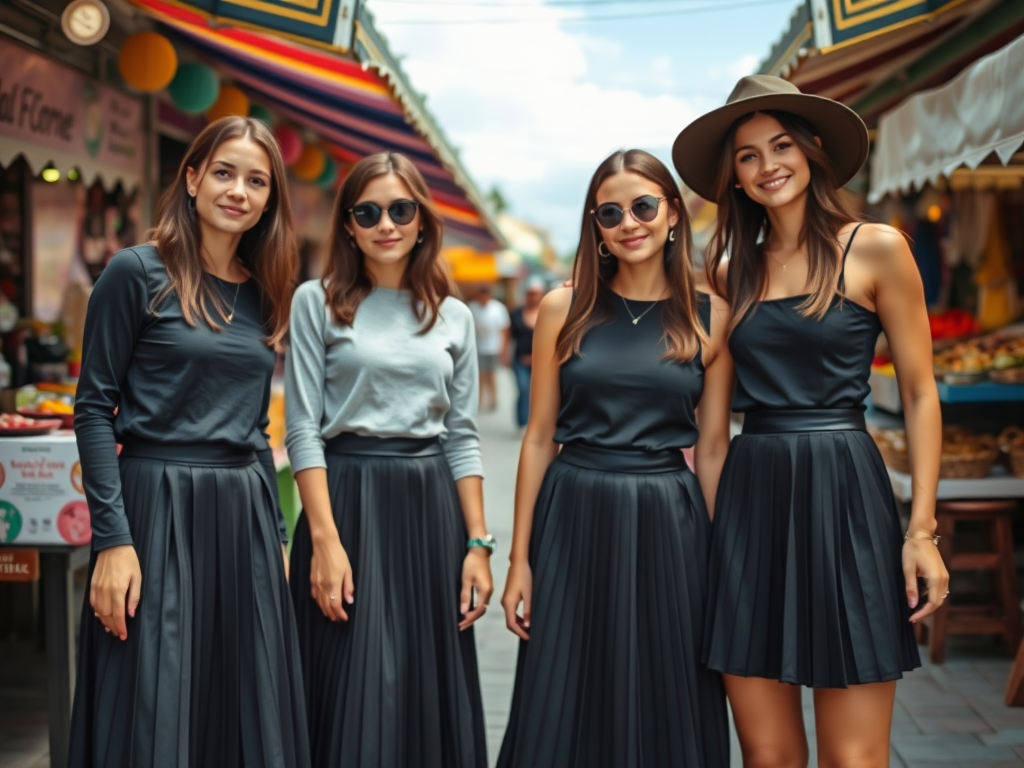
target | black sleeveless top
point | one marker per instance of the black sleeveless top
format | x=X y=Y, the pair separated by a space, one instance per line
x=786 y=360
x=620 y=393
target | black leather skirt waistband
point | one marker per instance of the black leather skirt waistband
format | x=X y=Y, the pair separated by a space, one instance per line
x=197 y=454
x=363 y=445
x=773 y=422
x=616 y=460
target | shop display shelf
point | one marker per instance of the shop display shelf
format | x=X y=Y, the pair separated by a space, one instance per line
x=982 y=392
x=999 y=484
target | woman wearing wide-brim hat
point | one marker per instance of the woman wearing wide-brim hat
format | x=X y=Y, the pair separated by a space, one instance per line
x=813 y=582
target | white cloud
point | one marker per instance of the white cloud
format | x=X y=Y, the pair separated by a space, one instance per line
x=523 y=104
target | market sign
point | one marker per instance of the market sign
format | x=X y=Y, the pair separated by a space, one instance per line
x=850 y=20
x=324 y=22
x=19 y=565
x=51 y=113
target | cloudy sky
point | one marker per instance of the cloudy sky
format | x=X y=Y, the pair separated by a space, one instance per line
x=535 y=94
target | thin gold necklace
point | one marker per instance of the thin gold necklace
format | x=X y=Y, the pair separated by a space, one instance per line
x=636 y=318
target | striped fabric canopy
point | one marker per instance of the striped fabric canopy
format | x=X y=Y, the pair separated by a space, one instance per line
x=351 y=108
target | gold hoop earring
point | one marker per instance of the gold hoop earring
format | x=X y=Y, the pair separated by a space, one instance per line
x=602 y=250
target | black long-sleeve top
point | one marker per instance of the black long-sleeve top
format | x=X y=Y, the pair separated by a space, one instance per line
x=169 y=382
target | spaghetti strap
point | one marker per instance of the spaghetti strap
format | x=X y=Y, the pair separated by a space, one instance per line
x=846 y=252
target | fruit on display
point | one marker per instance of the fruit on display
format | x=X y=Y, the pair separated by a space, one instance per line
x=953 y=324
x=994 y=352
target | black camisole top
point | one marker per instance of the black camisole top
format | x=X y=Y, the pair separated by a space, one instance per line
x=785 y=360
x=619 y=393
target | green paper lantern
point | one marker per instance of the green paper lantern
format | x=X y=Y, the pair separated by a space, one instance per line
x=261 y=113
x=329 y=175
x=195 y=88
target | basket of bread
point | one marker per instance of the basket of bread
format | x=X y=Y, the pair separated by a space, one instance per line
x=965 y=454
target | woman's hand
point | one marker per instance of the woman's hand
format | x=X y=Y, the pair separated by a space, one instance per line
x=284 y=553
x=476 y=574
x=330 y=578
x=518 y=589
x=116 y=588
x=921 y=558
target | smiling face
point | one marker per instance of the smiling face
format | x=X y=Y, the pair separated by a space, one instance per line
x=769 y=165
x=635 y=241
x=232 y=188
x=385 y=243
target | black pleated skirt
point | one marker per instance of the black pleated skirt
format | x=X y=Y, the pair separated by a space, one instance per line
x=209 y=676
x=397 y=685
x=806 y=579
x=611 y=675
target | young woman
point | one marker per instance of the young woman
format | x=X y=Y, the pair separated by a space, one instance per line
x=189 y=655
x=381 y=398
x=808 y=584
x=518 y=347
x=611 y=533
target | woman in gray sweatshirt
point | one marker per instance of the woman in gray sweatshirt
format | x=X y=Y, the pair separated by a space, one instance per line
x=390 y=563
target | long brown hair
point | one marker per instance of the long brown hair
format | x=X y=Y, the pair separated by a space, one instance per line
x=345 y=279
x=742 y=223
x=268 y=251
x=591 y=273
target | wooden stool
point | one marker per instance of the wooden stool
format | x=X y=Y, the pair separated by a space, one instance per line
x=1001 y=616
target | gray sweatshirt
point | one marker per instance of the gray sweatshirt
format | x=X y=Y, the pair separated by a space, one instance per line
x=380 y=377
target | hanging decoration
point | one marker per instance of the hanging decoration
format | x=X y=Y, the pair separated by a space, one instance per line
x=290 y=142
x=310 y=164
x=230 y=102
x=259 y=112
x=147 y=61
x=329 y=176
x=194 y=88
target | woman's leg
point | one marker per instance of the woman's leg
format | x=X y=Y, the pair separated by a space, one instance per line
x=769 y=721
x=853 y=725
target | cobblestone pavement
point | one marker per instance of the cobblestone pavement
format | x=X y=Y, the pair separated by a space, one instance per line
x=948 y=716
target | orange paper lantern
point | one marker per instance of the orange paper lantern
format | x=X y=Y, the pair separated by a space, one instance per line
x=230 y=102
x=147 y=61
x=310 y=164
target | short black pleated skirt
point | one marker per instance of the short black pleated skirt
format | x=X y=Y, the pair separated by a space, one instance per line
x=806 y=579
x=397 y=685
x=611 y=675
x=209 y=676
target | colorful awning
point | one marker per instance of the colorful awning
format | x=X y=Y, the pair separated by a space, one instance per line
x=352 y=108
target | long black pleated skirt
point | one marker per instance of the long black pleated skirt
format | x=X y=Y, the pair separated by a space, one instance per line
x=396 y=686
x=806 y=580
x=209 y=676
x=611 y=675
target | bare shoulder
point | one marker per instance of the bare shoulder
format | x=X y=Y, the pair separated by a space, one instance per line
x=881 y=248
x=554 y=307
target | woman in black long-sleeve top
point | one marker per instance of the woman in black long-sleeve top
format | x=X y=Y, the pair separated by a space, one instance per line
x=188 y=653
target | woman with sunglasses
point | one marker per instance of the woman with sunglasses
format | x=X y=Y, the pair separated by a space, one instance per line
x=611 y=533
x=188 y=654
x=812 y=581
x=381 y=399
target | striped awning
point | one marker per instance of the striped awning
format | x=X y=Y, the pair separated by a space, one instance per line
x=351 y=107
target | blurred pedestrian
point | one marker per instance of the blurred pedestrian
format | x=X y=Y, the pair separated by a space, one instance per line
x=391 y=546
x=609 y=551
x=811 y=583
x=518 y=348
x=491 y=319
x=189 y=655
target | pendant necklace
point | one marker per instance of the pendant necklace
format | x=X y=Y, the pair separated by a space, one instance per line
x=636 y=318
x=231 y=314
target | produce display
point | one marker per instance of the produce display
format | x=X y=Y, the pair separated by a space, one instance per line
x=48 y=399
x=984 y=357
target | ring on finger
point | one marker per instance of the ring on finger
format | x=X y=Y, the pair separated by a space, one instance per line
x=332 y=598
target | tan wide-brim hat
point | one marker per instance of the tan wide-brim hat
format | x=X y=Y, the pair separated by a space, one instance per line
x=697 y=151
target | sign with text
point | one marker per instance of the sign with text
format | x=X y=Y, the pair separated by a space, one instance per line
x=19 y=565
x=50 y=105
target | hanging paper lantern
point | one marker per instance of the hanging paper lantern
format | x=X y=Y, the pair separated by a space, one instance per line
x=194 y=88
x=261 y=113
x=290 y=142
x=330 y=173
x=147 y=61
x=230 y=102
x=310 y=164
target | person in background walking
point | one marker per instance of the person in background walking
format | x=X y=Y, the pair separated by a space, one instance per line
x=491 y=319
x=381 y=397
x=609 y=554
x=812 y=582
x=518 y=348
x=189 y=656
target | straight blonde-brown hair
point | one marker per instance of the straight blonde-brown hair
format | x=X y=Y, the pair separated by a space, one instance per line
x=268 y=251
x=683 y=329
x=743 y=225
x=345 y=279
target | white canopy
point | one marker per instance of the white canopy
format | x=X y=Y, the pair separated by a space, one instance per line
x=934 y=132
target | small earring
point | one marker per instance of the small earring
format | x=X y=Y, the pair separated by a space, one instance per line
x=191 y=202
x=420 y=238
x=602 y=251
x=671 y=235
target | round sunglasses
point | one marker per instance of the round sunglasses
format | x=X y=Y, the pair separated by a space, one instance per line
x=367 y=215
x=643 y=209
